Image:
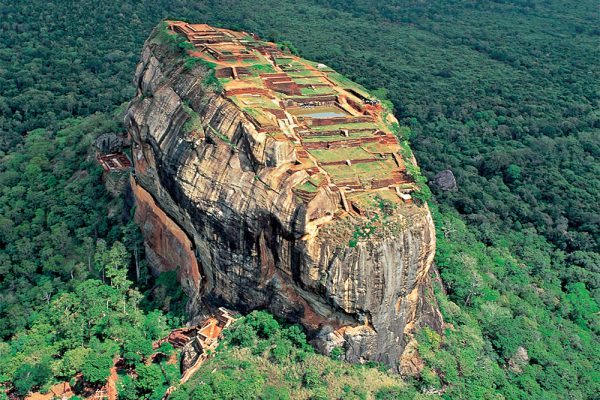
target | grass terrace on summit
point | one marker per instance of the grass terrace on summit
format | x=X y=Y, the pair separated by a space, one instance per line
x=343 y=136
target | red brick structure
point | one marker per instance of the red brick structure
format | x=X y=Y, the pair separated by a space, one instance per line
x=114 y=162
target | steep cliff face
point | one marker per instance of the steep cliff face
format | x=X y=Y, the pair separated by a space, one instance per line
x=220 y=198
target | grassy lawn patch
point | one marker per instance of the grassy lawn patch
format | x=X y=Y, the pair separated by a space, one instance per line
x=350 y=153
x=337 y=138
x=307 y=186
x=357 y=125
x=316 y=90
x=261 y=69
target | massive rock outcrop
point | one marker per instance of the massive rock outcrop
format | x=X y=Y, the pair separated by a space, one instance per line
x=230 y=203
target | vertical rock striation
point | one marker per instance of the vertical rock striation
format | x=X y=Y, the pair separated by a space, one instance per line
x=215 y=199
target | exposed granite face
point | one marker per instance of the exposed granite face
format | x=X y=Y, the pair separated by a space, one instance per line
x=445 y=180
x=216 y=201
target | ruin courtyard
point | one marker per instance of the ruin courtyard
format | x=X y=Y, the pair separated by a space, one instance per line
x=343 y=136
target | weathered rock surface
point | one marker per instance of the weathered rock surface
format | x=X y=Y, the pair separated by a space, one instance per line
x=445 y=180
x=108 y=143
x=217 y=203
x=519 y=360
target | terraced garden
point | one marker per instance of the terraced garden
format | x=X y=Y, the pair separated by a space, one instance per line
x=342 y=128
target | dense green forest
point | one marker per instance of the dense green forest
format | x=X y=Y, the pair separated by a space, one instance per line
x=503 y=93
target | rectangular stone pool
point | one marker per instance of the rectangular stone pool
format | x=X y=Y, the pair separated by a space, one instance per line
x=318 y=112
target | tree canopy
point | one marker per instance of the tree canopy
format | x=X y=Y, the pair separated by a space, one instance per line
x=503 y=93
